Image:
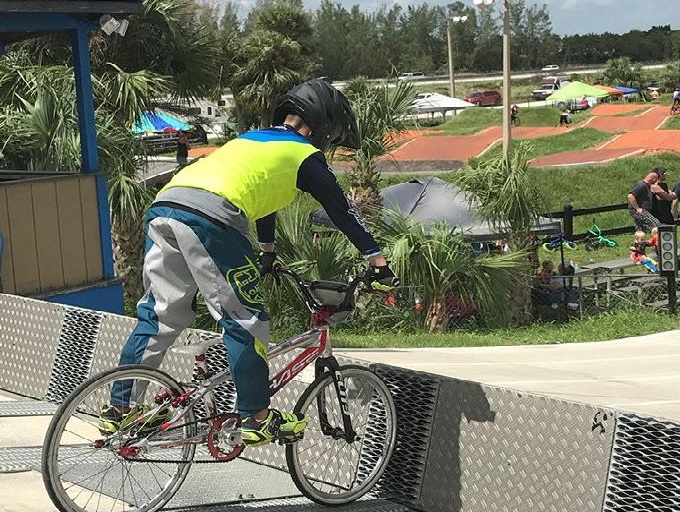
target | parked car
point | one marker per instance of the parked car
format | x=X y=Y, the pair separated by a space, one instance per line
x=550 y=67
x=416 y=75
x=549 y=85
x=484 y=98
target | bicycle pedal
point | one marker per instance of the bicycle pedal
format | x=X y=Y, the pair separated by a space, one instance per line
x=283 y=439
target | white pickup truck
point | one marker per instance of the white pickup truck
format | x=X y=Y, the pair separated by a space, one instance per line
x=549 y=85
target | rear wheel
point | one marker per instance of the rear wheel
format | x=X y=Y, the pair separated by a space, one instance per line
x=85 y=470
x=324 y=465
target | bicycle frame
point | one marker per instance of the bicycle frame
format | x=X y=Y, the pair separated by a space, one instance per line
x=318 y=350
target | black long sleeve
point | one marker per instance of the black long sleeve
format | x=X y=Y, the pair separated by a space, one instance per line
x=316 y=178
x=266 y=226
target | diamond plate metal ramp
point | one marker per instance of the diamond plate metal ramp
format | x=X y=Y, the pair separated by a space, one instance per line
x=300 y=505
x=500 y=450
x=644 y=473
x=26 y=408
x=234 y=486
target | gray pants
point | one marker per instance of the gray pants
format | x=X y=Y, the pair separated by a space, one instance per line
x=644 y=221
x=186 y=253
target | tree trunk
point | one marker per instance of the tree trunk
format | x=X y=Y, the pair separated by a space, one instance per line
x=128 y=247
x=437 y=319
x=364 y=189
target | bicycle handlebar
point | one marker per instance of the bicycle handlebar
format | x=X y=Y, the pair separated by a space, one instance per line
x=303 y=286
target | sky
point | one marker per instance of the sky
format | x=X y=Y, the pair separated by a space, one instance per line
x=568 y=16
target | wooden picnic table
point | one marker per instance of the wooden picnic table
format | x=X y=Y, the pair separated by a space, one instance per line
x=610 y=265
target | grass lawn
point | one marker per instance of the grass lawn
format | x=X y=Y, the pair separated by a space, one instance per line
x=599 y=185
x=473 y=120
x=572 y=140
x=596 y=328
x=673 y=123
x=582 y=186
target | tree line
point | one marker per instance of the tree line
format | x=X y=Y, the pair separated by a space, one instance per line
x=346 y=42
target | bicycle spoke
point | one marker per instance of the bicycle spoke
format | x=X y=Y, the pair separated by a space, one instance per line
x=86 y=470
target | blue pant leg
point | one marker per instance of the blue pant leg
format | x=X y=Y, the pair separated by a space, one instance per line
x=235 y=293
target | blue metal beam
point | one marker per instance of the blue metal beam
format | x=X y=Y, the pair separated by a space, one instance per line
x=44 y=22
x=88 y=140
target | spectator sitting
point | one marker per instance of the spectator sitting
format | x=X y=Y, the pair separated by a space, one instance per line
x=637 y=252
x=567 y=272
x=584 y=103
x=654 y=94
x=548 y=285
x=654 y=241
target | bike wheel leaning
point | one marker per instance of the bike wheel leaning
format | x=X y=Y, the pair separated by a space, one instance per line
x=87 y=471
x=325 y=467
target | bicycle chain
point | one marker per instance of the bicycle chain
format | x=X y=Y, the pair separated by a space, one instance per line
x=170 y=461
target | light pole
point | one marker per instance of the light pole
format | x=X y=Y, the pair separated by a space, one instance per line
x=506 y=70
x=452 y=82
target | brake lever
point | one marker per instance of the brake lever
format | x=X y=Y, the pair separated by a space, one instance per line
x=276 y=273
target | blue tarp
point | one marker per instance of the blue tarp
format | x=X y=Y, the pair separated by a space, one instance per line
x=157 y=122
x=626 y=90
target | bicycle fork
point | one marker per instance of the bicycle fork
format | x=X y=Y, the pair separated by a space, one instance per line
x=347 y=432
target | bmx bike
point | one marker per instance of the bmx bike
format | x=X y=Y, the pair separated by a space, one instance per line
x=675 y=109
x=555 y=243
x=338 y=459
x=595 y=240
x=515 y=121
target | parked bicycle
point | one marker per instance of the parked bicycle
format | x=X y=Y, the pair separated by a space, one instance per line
x=341 y=455
x=554 y=244
x=595 y=240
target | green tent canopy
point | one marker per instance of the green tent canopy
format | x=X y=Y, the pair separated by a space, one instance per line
x=575 y=90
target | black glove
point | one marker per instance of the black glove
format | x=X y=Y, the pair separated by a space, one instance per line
x=266 y=262
x=381 y=279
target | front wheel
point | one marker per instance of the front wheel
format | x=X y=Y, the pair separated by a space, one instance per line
x=87 y=470
x=324 y=466
x=515 y=121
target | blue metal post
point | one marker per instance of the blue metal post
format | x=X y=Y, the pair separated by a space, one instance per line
x=88 y=140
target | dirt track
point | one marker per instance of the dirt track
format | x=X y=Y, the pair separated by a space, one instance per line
x=635 y=132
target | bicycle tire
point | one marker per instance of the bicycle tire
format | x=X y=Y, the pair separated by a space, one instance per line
x=75 y=408
x=378 y=437
x=516 y=122
x=549 y=247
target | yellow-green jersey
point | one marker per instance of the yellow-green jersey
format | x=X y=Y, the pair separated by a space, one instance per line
x=261 y=172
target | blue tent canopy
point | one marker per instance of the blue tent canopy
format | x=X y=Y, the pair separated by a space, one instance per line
x=626 y=90
x=153 y=121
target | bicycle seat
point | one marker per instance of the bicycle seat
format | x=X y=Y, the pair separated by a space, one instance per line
x=196 y=349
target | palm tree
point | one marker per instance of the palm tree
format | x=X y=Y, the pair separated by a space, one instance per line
x=439 y=265
x=274 y=55
x=503 y=192
x=380 y=113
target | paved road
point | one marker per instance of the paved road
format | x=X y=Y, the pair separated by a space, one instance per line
x=636 y=374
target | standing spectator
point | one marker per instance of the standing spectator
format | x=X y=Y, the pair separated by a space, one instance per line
x=676 y=200
x=640 y=203
x=182 y=148
x=662 y=199
x=565 y=117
